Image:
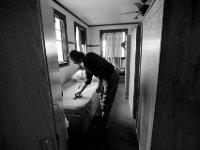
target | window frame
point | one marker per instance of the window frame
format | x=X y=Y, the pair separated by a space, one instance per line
x=110 y=31
x=65 y=52
x=82 y=28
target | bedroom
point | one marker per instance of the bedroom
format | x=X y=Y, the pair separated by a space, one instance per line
x=90 y=38
x=164 y=63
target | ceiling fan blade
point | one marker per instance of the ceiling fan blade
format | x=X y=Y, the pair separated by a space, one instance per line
x=144 y=9
x=144 y=1
x=139 y=5
x=137 y=16
x=129 y=12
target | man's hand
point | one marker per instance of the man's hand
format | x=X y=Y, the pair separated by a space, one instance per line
x=100 y=87
x=78 y=95
x=98 y=90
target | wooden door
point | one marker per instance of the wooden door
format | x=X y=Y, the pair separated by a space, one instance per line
x=26 y=117
x=133 y=69
x=137 y=71
x=177 y=113
x=150 y=60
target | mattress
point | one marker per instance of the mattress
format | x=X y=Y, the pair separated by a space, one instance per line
x=80 y=111
x=81 y=106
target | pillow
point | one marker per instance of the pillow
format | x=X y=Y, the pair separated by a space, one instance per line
x=81 y=76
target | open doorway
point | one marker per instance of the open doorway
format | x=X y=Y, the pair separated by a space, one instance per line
x=113 y=49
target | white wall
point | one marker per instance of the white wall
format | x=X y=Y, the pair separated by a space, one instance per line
x=93 y=38
x=131 y=70
x=67 y=71
x=150 y=59
x=70 y=24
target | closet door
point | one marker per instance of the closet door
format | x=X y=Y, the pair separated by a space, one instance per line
x=137 y=70
x=149 y=70
x=26 y=115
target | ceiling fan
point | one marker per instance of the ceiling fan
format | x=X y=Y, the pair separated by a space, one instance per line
x=142 y=8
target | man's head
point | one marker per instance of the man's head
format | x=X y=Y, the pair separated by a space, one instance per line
x=76 y=56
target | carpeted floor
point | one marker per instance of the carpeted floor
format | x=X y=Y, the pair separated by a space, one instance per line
x=121 y=133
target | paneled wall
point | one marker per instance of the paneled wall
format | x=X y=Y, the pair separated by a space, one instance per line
x=53 y=71
x=150 y=57
x=177 y=121
x=26 y=114
x=130 y=68
x=169 y=103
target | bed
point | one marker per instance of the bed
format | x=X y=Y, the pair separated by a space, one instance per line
x=79 y=112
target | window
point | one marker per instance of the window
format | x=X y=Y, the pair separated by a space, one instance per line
x=80 y=37
x=115 y=40
x=113 y=46
x=61 y=37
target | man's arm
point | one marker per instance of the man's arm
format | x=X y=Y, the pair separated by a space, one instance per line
x=98 y=90
x=78 y=94
x=87 y=82
x=83 y=88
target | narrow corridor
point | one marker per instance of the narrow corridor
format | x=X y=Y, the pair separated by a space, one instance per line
x=121 y=132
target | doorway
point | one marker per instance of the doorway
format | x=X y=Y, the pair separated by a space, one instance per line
x=113 y=49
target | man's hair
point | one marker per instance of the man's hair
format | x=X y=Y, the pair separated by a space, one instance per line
x=76 y=55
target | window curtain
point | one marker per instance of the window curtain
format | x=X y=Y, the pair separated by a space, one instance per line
x=78 y=39
x=64 y=45
x=112 y=48
x=81 y=40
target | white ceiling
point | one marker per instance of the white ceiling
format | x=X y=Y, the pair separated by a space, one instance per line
x=99 y=12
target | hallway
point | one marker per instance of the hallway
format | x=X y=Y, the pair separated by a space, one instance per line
x=121 y=131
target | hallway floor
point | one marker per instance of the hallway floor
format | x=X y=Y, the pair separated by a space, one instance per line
x=121 y=133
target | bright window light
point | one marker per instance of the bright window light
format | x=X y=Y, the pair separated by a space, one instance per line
x=104 y=48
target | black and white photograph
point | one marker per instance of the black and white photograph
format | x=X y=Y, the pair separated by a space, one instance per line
x=100 y=75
